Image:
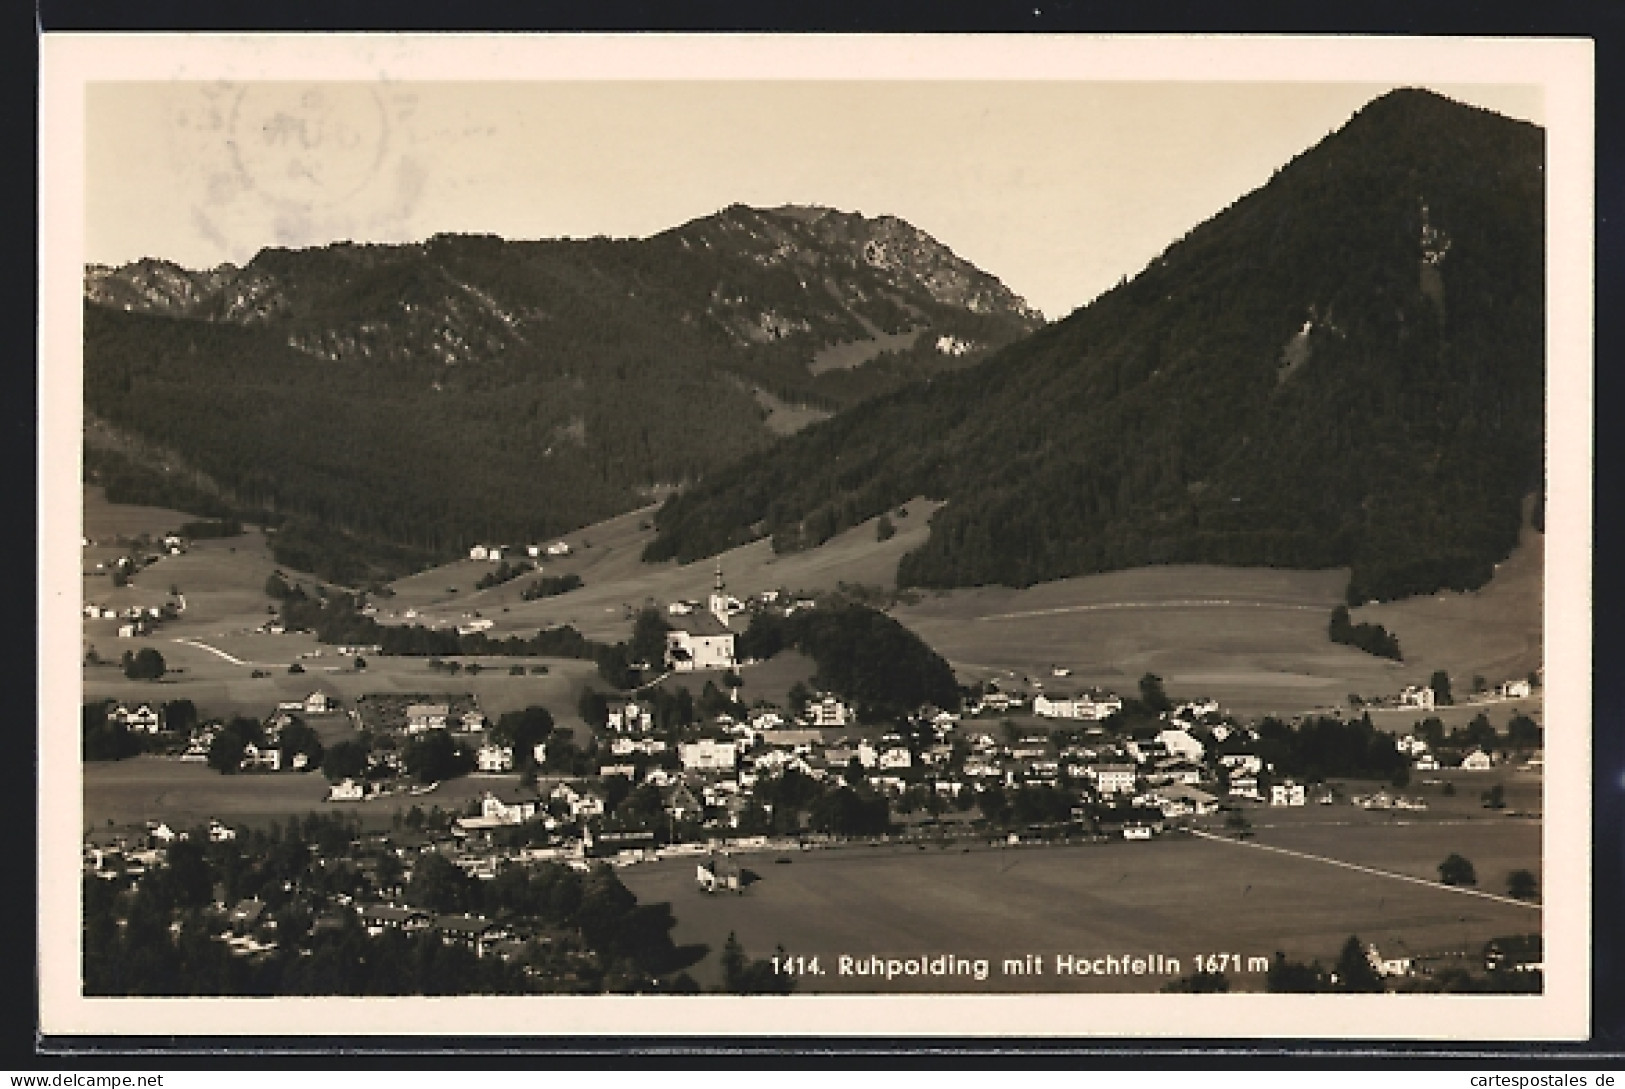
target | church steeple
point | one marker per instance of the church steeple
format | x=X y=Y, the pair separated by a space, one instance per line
x=719 y=600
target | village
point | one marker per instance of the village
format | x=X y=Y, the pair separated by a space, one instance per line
x=719 y=783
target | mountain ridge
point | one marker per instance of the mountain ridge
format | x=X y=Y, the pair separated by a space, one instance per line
x=465 y=388
x=1343 y=367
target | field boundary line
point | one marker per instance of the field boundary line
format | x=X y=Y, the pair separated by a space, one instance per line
x=1179 y=603
x=1368 y=869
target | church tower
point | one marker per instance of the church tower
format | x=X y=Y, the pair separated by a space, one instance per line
x=719 y=599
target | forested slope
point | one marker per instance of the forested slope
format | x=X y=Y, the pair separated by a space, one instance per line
x=1345 y=367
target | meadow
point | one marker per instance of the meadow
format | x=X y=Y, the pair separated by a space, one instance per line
x=1178 y=896
x=131 y=792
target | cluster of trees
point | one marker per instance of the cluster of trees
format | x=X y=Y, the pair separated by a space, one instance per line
x=155 y=936
x=793 y=802
x=1371 y=638
x=1155 y=426
x=104 y=738
x=210 y=528
x=551 y=586
x=1522 y=734
x=1322 y=748
x=862 y=655
x=504 y=572
x=145 y=664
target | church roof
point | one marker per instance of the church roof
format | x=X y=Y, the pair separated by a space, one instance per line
x=698 y=624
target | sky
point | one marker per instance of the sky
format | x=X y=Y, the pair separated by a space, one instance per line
x=1058 y=188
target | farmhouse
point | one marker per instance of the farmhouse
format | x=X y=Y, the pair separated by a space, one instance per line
x=707 y=755
x=1181 y=743
x=347 y=790
x=1115 y=778
x=1244 y=785
x=719 y=873
x=377 y=918
x=1387 y=966
x=1477 y=760
x=1516 y=690
x=1179 y=800
x=426 y=716
x=143 y=718
x=318 y=703
x=496 y=812
x=1418 y=696
x=630 y=717
x=494 y=758
x=1287 y=793
x=1080 y=707
x=829 y=712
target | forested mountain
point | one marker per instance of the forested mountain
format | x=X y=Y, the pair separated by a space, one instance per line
x=1346 y=366
x=428 y=396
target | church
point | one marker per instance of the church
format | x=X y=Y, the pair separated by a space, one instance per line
x=702 y=640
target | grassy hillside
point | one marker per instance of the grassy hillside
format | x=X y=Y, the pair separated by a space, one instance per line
x=1343 y=369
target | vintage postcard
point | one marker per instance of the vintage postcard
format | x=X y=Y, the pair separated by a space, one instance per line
x=842 y=536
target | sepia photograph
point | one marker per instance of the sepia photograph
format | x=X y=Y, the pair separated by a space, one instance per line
x=617 y=534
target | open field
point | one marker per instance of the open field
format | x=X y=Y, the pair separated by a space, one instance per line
x=146 y=788
x=855 y=353
x=1178 y=896
x=1494 y=632
x=104 y=521
x=1252 y=638
x=143 y=788
x=220 y=688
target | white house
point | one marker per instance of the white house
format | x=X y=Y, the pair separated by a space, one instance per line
x=346 y=790
x=1477 y=760
x=1244 y=785
x=426 y=716
x=630 y=717
x=318 y=703
x=269 y=757
x=1115 y=778
x=583 y=801
x=478 y=552
x=494 y=758
x=829 y=712
x=1418 y=696
x=1180 y=743
x=1516 y=690
x=1287 y=793
x=1387 y=966
x=558 y=548
x=493 y=808
x=628 y=746
x=895 y=757
x=1245 y=763
x=707 y=755
x=1080 y=707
